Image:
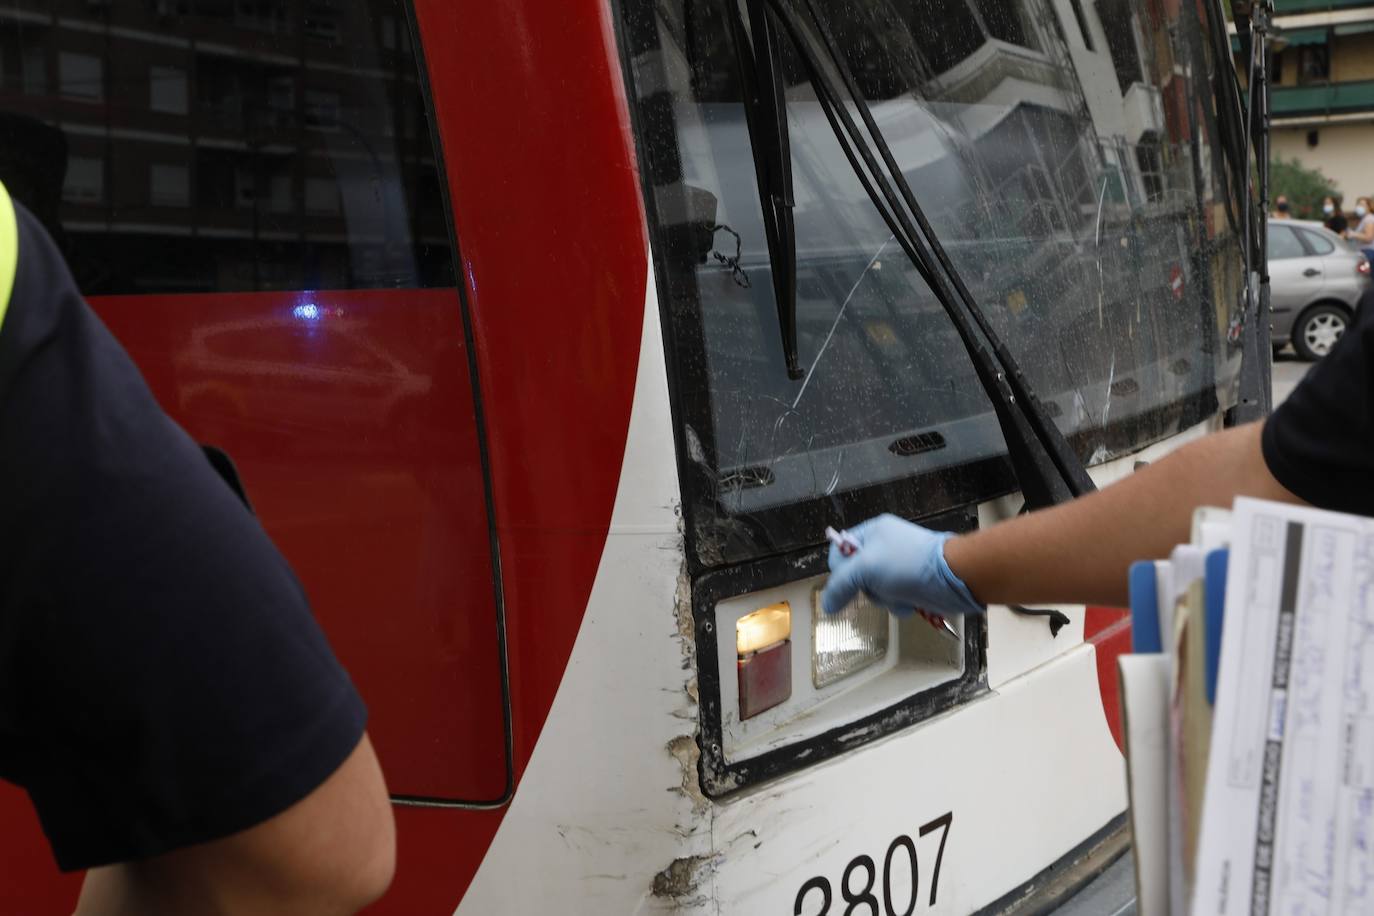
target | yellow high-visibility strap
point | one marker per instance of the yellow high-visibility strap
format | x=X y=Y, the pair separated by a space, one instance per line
x=9 y=251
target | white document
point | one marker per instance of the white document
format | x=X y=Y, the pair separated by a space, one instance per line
x=1145 y=717
x=1288 y=821
x=1187 y=561
x=1164 y=598
x=1211 y=528
x=1186 y=564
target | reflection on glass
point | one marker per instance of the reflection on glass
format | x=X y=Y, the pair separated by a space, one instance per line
x=223 y=145
x=1071 y=166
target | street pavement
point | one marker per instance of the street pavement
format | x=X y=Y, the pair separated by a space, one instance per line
x=1288 y=371
x=1112 y=893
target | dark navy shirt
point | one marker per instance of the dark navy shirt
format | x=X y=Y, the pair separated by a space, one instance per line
x=162 y=680
x=1320 y=442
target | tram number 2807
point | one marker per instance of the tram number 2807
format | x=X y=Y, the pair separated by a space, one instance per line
x=859 y=884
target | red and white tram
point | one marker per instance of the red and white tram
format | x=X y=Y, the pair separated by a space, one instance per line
x=549 y=406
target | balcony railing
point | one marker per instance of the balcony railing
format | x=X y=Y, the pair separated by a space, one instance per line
x=1330 y=98
x=1287 y=7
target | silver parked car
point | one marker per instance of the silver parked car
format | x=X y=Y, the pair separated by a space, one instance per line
x=1315 y=282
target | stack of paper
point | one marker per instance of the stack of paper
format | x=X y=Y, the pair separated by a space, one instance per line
x=1166 y=704
x=1263 y=803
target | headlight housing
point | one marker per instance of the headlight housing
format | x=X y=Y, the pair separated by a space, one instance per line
x=847 y=642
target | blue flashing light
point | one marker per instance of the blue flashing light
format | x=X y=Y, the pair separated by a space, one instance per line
x=307 y=312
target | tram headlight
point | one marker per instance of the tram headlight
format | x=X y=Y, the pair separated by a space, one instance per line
x=847 y=642
x=763 y=628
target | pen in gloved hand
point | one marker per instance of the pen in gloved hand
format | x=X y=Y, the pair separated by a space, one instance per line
x=848 y=546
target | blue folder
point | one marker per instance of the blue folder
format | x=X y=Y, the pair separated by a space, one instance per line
x=1215 y=600
x=1144 y=608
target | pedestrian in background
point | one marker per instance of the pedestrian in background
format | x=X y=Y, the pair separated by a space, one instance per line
x=1363 y=233
x=1280 y=208
x=1332 y=216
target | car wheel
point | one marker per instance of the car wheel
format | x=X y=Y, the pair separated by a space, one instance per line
x=1317 y=331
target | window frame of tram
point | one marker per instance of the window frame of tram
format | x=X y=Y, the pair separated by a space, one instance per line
x=218 y=147
x=755 y=690
x=214 y=159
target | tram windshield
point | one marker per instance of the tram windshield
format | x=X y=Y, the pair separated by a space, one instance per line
x=1070 y=158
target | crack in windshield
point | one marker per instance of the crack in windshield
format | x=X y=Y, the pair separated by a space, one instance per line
x=1091 y=229
x=830 y=335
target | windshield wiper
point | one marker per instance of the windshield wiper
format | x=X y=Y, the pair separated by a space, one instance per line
x=1256 y=395
x=1046 y=468
x=765 y=113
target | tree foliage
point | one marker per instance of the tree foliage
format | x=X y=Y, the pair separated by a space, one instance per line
x=1304 y=187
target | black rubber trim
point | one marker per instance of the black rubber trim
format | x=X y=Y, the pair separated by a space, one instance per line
x=479 y=411
x=678 y=349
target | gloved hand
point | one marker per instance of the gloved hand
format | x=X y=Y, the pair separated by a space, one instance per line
x=899 y=565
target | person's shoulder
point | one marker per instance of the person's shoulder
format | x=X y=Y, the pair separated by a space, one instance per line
x=42 y=289
x=1362 y=330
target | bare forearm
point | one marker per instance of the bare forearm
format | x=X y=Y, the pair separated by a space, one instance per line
x=1080 y=552
x=330 y=854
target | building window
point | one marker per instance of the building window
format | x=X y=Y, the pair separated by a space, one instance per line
x=81 y=76
x=1314 y=64
x=167 y=90
x=279 y=194
x=322 y=108
x=321 y=21
x=1002 y=20
x=1082 y=18
x=281 y=99
x=85 y=183
x=1150 y=163
x=169 y=185
x=262 y=15
x=211 y=193
x=322 y=196
x=245 y=189
x=1118 y=22
x=34 y=70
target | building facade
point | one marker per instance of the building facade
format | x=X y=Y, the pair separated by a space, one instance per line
x=1322 y=79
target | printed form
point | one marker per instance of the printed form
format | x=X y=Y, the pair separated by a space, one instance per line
x=1288 y=820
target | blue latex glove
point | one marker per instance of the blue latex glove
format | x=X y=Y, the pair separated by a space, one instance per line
x=902 y=567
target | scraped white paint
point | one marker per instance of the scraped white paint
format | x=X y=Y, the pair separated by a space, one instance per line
x=593 y=818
